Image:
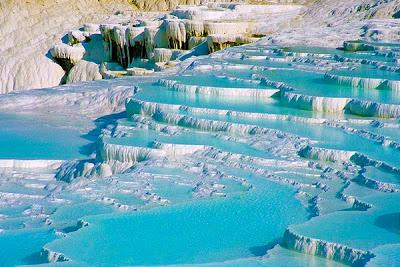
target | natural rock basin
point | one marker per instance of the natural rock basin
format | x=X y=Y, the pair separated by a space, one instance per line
x=251 y=156
x=243 y=225
x=258 y=133
x=28 y=136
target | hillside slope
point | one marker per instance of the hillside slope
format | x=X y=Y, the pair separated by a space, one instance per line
x=28 y=28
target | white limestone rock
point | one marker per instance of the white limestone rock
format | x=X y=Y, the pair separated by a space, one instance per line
x=135 y=71
x=72 y=170
x=194 y=28
x=373 y=109
x=325 y=154
x=162 y=55
x=84 y=71
x=218 y=91
x=218 y=42
x=67 y=53
x=314 y=103
x=32 y=72
x=329 y=250
x=91 y=27
x=28 y=29
x=231 y=28
x=175 y=31
x=76 y=37
x=30 y=164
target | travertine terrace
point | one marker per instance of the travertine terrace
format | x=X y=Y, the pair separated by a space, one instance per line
x=200 y=133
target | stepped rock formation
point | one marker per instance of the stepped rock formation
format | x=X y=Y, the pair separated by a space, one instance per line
x=292 y=147
x=28 y=65
x=28 y=29
x=335 y=21
x=139 y=44
x=165 y=5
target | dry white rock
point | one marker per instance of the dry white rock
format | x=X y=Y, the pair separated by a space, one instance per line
x=220 y=41
x=91 y=27
x=84 y=71
x=75 y=37
x=162 y=55
x=67 y=56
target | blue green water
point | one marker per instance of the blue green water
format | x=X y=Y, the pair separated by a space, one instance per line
x=193 y=233
x=314 y=84
x=246 y=218
x=28 y=136
x=355 y=228
x=208 y=79
x=23 y=247
x=154 y=93
x=146 y=138
x=337 y=139
x=368 y=72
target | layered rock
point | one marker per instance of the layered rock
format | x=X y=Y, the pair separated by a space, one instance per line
x=314 y=103
x=163 y=5
x=218 y=91
x=218 y=42
x=326 y=249
x=366 y=83
x=67 y=56
x=373 y=109
x=323 y=154
x=29 y=29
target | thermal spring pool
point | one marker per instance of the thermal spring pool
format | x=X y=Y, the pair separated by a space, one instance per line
x=257 y=155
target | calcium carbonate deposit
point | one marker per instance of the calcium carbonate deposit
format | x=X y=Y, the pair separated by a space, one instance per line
x=200 y=133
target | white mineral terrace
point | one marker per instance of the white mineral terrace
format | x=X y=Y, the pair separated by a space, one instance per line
x=212 y=134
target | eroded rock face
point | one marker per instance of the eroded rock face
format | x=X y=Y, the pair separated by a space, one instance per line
x=34 y=71
x=323 y=16
x=325 y=249
x=185 y=29
x=201 y=29
x=218 y=42
x=164 y=5
x=22 y=28
x=67 y=56
x=84 y=71
x=28 y=29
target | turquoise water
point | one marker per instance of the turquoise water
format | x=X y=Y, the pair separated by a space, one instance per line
x=192 y=233
x=146 y=138
x=30 y=137
x=314 y=84
x=260 y=63
x=72 y=213
x=367 y=56
x=382 y=176
x=388 y=255
x=355 y=228
x=281 y=257
x=209 y=79
x=23 y=247
x=154 y=93
x=311 y=49
x=391 y=133
x=368 y=72
x=228 y=205
x=337 y=138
